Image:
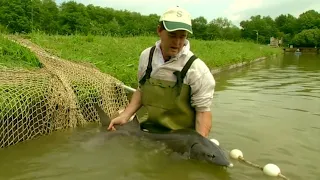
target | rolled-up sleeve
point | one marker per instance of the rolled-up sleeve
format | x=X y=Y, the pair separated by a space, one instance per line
x=202 y=85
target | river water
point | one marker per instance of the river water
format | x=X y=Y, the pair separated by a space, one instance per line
x=269 y=110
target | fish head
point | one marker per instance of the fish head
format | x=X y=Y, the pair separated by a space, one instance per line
x=209 y=152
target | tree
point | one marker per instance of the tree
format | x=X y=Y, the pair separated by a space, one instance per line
x=226 y=29
x=286 y=24
x=25 y=16
x=309 y=20
x=199 y=27
x=74 y=18
x=307 y=38
x=16 y=15
x=265 y=26
x=48 y=16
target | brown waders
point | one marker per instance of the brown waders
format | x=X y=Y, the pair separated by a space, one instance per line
x=167 y=103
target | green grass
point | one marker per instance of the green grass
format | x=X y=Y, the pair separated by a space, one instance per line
x=219 y=53
x=119 y=56
x=14 y=56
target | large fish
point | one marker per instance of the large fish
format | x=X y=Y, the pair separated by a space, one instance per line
x=185 y=141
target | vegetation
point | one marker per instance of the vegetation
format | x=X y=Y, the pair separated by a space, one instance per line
x=119 y=56
x=12 y=55
x=25 y=16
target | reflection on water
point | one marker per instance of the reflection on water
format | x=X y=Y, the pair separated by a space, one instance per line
x=269 y=110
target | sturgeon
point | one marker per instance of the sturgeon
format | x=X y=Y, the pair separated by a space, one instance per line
x=186 y=142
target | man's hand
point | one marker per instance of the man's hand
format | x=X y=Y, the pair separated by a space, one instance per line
x=129 y=112
x=118 y=120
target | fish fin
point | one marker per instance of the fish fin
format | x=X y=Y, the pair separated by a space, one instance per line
x=105 y=121
x=104 y=118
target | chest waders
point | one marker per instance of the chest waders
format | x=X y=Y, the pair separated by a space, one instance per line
x=167 y=103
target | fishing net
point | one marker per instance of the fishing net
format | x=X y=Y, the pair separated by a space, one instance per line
x=60 y=95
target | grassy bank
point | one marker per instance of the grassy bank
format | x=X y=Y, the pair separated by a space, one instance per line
x=14 y=56
x=119 y=56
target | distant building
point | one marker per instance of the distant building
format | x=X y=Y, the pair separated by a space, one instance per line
x=274 y=42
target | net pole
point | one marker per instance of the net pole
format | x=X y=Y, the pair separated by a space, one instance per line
x=128 y=88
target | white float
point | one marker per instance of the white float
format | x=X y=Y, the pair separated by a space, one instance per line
x=236 y=154
x=269 y=169
x=215 y=141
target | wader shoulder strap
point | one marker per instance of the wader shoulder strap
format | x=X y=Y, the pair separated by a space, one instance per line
x=187 y=66
x=181 y=74
x=149 y=68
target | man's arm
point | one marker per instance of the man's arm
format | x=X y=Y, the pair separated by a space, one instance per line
x=202 y=85
x=134 y=105
x=203 y=123
x=136 y=102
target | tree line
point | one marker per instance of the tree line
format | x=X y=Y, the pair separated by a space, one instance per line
x=26 y=16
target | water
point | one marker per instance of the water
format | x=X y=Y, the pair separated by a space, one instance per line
x=270 y=111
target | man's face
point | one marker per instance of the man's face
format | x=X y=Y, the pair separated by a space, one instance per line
x=171 y=42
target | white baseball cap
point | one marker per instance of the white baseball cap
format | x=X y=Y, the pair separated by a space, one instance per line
x=177 y=18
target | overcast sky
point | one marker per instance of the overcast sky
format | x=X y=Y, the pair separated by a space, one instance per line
x=234 y=10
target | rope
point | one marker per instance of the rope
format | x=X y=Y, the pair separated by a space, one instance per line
x=259 y=167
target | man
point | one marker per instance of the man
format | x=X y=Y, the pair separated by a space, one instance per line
x=175 y=93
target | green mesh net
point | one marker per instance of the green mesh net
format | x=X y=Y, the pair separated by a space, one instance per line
x=60 y=95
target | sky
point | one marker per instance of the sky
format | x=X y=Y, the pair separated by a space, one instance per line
x=234 y=10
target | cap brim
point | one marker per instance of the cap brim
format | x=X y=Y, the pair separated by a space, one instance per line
x=174 y=26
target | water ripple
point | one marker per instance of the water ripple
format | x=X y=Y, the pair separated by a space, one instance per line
x=295 y=109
